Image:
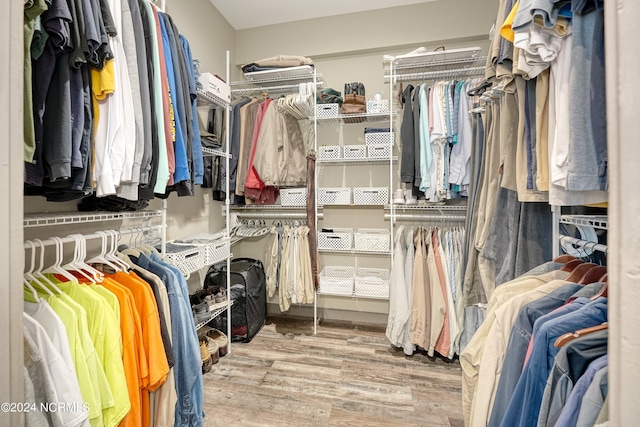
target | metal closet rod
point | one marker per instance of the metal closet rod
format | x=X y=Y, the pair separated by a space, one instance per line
x=584 y=243
x=427 y=217
x=274 y=215
x=126 y=231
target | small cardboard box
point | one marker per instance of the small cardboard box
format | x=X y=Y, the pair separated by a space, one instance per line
x=215 y=86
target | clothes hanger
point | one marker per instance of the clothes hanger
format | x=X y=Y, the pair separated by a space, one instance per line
x=25 y=282
x=56 y=268
x=564 y=258
x=571 y=265
x=111 y=255
x=101 y=258
x=565 y=338
x=74 y=265
x=43 y=281
x=579 y=271
x=593 y=275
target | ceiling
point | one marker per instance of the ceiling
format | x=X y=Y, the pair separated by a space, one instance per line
x=243 y=14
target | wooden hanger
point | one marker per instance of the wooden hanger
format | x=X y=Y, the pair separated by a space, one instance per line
x=565 y=338
x=604 y=291
x=579 y=271
x=593 y=275
x=564 y=258
x=571 y=265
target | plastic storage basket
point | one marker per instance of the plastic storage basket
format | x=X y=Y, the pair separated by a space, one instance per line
x=334 y=196
x=340 y=239
x=327 y=110
x=379 y=151
x=373 y=138
x=293 y=196
x=354 y=151
x=372 y=283
x=381 y=106
x=330 y=152
x=370 y=195
x=187 y=258
x=372 y=239
x=337 y=280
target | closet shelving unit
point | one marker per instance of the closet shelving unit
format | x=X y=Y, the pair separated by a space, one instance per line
x=429 y=66
x=597 y=222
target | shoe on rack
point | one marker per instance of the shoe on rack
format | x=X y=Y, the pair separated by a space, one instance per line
x=205 y=357
x=398 y=197
x=409 y=198
x=219 y=337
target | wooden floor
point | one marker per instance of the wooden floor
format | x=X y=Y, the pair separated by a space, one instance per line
x=346 y=375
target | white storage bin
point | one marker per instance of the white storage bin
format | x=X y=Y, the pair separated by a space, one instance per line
x=381 y=106
x=373 y=138
x=293 y=196
x=327 y=110
x=330 y=152
x=340 y=239
x=334 y=196
x=378 y=151
x=189 y=260
x=337 y=280
x=354 y=151
x=372 y=282
x=370 y=195
x=372 y=239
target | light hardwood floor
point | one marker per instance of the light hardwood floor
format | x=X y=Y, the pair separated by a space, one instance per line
x=346 y=375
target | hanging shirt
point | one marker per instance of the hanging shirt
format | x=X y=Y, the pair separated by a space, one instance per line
x=63 y=376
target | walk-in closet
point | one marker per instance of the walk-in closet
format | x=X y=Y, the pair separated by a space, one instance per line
x=285 y=213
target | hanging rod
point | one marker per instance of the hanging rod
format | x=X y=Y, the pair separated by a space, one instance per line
x=69 y=239
x=425 y=217
x=593 y=246
x=273 y=215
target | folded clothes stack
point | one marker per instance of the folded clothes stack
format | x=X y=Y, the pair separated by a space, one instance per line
x=278 y=61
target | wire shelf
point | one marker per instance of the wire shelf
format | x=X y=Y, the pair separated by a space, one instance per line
x=205 y=99
x=41 y=220
x=367 y=161
x=328 y=294
x=353 y=118
x=429 y=207
x=266 y=207
x=214 y=152
x=599 y=222
x=356 y=252
x=447 y=68
x=215 y=313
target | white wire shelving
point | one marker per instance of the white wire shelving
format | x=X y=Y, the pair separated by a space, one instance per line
x=206 y=98
x=279 y=83
x=341 y=119
x=456 y=63
x=63 y=218
x=328 y=294
x=220 y=308
x=355 y=252
x=214 y=152
x=366 y=161
x=598 y=222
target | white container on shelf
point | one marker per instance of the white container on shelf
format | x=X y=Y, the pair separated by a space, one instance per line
x=378 y=151
x=372 y=282
x=378 y=106
x=293 y=196
x=339 y=239
x=334 y=196
x=215 y=86
x=354 y=152
x=327 y=110
x=370 y=195
x=337 y=280
x=376 y=138
x=330 y=152
x=372 y=239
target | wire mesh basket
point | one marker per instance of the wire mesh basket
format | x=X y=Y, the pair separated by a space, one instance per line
x=293 y=196
x=370 y=195
x=372 y=282
x=372 y=239
x=338 y=239
x=334 y=196
x=337 y=280
x=330 y=152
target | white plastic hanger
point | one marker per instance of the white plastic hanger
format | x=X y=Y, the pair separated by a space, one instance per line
x=29 y=272
x=43 y=280
x=111 y=255
x=56 y=268
x=82 y=252
x=101 y=259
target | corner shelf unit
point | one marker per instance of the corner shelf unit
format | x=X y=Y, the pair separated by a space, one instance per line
x=344 y=119
x=64 y=218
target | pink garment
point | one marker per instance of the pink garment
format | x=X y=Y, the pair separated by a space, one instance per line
x=443 y=343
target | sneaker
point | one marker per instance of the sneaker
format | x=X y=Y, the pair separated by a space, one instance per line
x=398 y=197
x=219 y=337
x=410 y=199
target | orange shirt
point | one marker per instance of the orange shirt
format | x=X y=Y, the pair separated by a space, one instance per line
x=129 y=320
x=158 y=367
